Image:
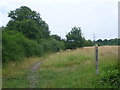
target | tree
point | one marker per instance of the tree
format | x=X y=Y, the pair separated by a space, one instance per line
x=26 y=35
x=99 y=42
x=28 y=22
x=105 y=42
x=74 y=38
x=56 y=37
x=89 y=43
x=114 y=41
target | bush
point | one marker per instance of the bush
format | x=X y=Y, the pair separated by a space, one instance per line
x=11 y=49
x=16 y=46
x=31 y=47
x=110 y=77
x=51 y=45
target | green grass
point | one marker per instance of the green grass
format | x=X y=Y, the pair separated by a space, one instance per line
x=76 y=69
x=15 y=74
x=68 y=69
x=19 y=81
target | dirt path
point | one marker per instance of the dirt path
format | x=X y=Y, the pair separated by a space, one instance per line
x=32 y=77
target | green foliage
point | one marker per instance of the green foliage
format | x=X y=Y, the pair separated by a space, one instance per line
x=17 y=81
x=27 y=27
x=28 y=22
x=74 y=38
x=115 y=41
x=26 y=35
x=11 y=50
x=105 y=42
x=110 y=77
x=16 y=46
x=99 y=42
x=56 y=37
x=51 y=45
x=88 y=43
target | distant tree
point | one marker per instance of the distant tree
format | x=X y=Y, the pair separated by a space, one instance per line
x=89 y=43
x=105 y=42
x=113 y=41
x=28 y=22
x=99 y=42
x=56 y=37
x=74 y=38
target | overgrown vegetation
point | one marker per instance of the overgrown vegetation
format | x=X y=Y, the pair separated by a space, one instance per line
x=76 y=69
x=14 y=74
x=67 y=69
x=16 y=46
x=110 y=77
x=26 y=35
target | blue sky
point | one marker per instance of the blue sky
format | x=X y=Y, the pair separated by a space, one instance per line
x=93 y=16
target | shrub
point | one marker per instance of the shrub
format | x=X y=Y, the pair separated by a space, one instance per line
x=51 y=45
x=16 y=46
x=11 y=49
x=110 y=77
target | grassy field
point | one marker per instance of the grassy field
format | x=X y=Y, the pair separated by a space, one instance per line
x=14 y=74
x=66 y=69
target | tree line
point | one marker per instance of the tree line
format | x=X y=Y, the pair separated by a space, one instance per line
x=115 y=41
x=26 y=35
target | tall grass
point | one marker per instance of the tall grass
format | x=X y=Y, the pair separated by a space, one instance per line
x=76 y=68
x=14 y=74
x=68 y=69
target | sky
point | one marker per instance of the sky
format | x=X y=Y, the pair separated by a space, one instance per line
x=99 y=17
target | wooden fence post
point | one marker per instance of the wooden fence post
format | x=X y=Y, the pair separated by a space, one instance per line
x=96 y=57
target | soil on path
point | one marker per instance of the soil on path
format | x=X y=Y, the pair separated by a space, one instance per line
x=32 y=77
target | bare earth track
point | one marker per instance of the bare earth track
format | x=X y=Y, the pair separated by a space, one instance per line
x=32 y=78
